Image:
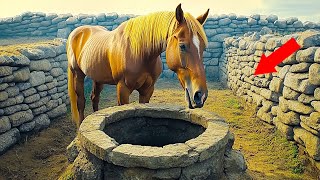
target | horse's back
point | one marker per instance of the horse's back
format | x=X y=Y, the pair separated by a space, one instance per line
x=80 y=35
x=87 y=51
x=78 y=38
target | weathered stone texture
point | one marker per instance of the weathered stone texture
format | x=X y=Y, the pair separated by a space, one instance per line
x=294 y=89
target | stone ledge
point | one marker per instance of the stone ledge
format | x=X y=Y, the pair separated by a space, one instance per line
x=169 y=156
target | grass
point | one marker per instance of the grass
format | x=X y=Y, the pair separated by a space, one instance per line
x=67 y=174
x=267 y=153
x=233 y=103
x=296 y=165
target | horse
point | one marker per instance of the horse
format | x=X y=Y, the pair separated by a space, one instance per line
x=129 y=57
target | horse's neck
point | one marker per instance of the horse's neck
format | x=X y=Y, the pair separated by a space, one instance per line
x=154 y=34
x=163 y=44
x=157 y=51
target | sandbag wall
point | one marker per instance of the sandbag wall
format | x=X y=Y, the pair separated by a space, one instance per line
x=33 y=89
x=217 y=28
x=288 y=99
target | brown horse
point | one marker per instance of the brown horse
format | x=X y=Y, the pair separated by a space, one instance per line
x=129 y=57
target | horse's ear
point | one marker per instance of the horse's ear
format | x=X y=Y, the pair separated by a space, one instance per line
x=179 y=14
x=202 y=18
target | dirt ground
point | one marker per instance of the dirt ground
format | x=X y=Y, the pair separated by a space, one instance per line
x=268 y=155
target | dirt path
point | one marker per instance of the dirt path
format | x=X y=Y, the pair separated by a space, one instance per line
x=268 y=155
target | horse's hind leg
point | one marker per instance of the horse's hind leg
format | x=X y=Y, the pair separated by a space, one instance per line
x=123 y=93
x=79 y=88
x=95 y=95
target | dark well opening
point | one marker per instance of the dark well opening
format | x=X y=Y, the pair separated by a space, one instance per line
x=148 y=131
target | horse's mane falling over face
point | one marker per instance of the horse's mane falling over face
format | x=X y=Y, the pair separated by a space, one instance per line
x=150 y=32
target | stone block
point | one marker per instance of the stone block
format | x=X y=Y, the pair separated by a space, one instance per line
x=310 y=142
x=37 y=78
x=4 y=124
x=276 y=85
x=299 y=107
x=3 y=96
x=283 y=104
x=289 y=118
x=31 y=99
x=27 y=127
x=8 y=102
x=283 y=71
x=8 y=139
x=314 y=74
x=288 y=93
x=64 y=33
x=12 y=109
x=299 y=82
x=316 y=105
x=5 y=71
x=306 y=99
x=20 y=60
x=41 y=122
x=225 y=21
x=309 y=38
x=270 y=95
x=306 y=55
x=41 y=65
x=29 y=92
x=281 y=23
x=21 y=117
x=33 y=53
x=286 y=130
x=317 y=93
x=267 y=117
x=21 y=75
x=55 y=72
x=58 y=111
x=300 y=68
x=23 y=86
x=12 y=91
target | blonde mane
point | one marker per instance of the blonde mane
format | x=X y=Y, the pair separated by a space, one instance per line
x=148 y=33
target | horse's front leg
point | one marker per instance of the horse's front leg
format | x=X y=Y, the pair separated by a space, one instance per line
x=95 y=95
x=146 y=90
x=123 y=93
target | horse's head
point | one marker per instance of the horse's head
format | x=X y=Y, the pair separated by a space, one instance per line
x=184 y=56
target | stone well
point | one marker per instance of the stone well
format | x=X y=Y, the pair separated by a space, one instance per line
x=153 y=141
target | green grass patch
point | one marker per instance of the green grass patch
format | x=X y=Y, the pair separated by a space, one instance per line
x=233 y=103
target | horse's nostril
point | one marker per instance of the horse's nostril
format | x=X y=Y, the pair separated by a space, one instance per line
x=197 y=97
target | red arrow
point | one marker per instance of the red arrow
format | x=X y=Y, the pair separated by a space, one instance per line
x=268 y=64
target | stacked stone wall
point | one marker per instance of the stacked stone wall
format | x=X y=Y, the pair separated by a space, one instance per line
x=33 y=89
x=288 y=99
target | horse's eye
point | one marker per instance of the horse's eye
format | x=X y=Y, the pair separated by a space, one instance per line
x=183 y=47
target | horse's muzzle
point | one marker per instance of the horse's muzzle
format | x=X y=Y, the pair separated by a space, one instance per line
x=197 y=100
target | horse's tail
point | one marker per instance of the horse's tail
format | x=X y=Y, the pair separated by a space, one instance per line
x=71 y=88
x=73 y=97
